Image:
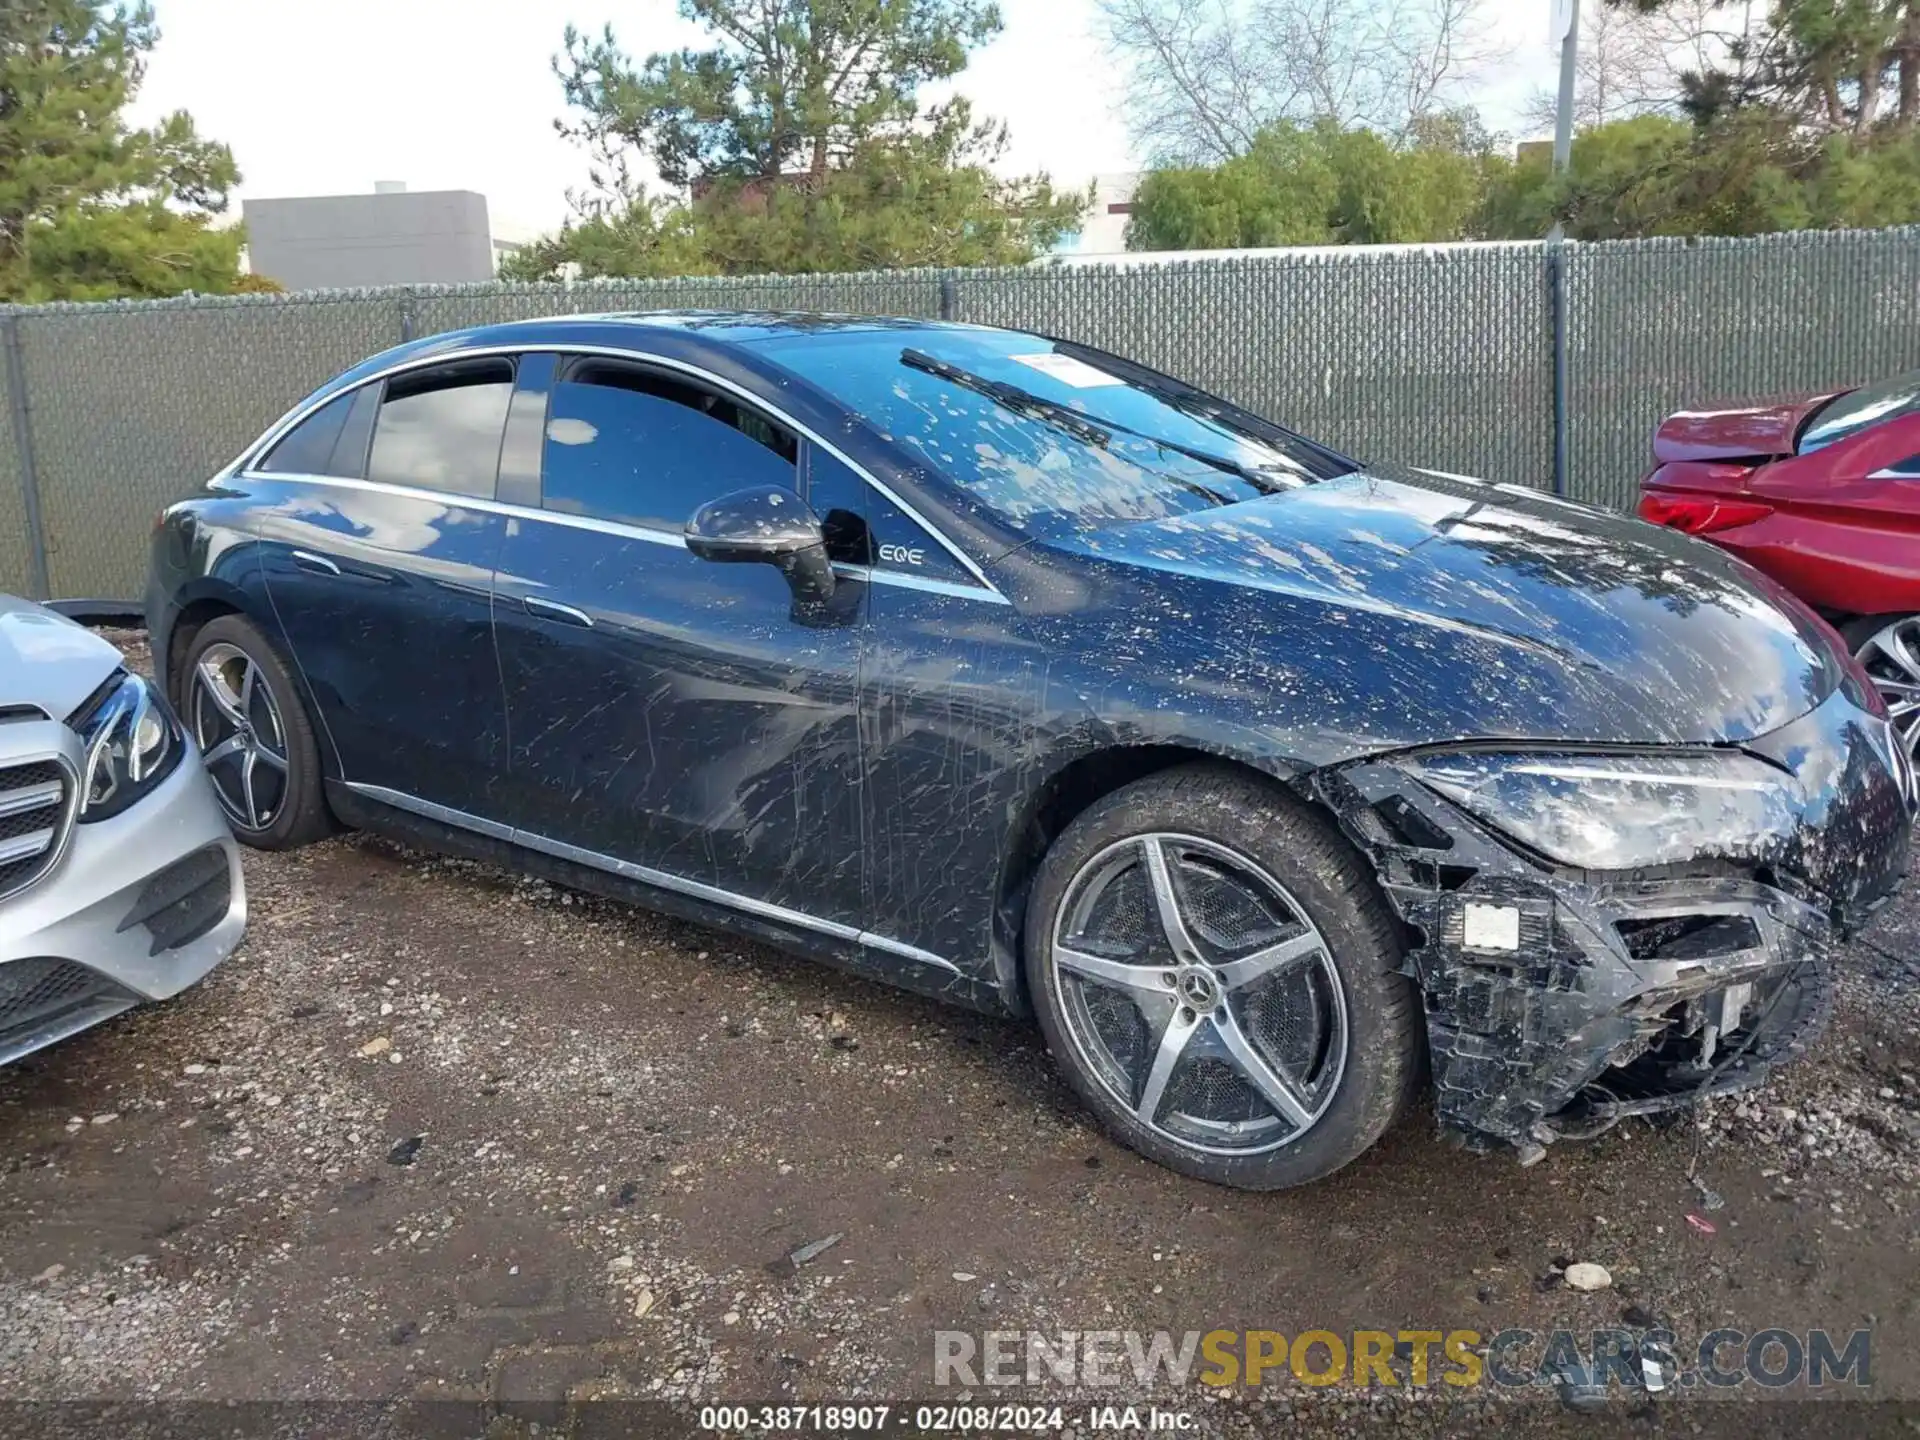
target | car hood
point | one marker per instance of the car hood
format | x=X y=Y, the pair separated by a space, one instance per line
x=1398 y=608
x=47 y=661
x=1743 y=432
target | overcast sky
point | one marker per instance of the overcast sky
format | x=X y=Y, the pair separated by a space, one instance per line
x=324 y=97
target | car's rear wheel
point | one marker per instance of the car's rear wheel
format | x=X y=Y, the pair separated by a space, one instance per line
x=1888 y=646
x=1217 y=975
x=255 y=741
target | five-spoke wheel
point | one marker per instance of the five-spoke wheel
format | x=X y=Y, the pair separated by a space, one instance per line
x=243 y=742
x=1218 y=977
x=1198 y=990
x=255 y=741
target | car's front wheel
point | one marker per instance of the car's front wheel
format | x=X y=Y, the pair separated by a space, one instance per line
x=239 y=702
x=1218 y=977
x=1888 y=646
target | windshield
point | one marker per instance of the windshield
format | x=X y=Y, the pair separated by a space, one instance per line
x=998 y=414
x=1847 y=415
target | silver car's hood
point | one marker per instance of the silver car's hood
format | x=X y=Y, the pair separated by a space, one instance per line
x=48 y=661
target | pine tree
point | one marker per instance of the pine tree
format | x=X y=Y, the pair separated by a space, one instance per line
x=91 y=208
x=800 y=143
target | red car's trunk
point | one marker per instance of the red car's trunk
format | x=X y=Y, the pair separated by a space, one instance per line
x=1749 y=432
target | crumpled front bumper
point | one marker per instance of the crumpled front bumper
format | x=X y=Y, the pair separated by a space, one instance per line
x=1636 y=992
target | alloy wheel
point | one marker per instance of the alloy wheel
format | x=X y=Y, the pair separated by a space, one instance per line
x=243 y=743
x=1891 y=656
x=1200 y=993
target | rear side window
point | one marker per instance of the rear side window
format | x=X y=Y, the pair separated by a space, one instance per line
x=644 y=449
x=1847 y=415
x=440 y=429
x=308 y=448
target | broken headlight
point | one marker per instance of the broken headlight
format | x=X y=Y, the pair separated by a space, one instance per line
x=1621 y=812
x=132 y=744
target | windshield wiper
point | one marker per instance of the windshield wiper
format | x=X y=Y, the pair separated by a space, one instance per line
x=1229 y=416
x=1063 y=417
x=1011 y=397
x=1259 y=479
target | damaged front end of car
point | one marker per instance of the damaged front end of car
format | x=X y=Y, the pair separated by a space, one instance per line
x=1603 y=932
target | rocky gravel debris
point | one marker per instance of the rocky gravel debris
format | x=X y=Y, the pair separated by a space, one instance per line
x=442 y=1133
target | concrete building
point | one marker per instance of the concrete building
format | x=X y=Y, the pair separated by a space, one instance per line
x=1103 y=230
x=391 y=237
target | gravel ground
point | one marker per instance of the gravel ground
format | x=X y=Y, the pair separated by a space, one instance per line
x=438 y=1133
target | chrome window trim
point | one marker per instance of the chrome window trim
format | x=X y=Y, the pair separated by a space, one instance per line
x=904 y=581
x=1894 y=472
x=659 y=879
x=611 y=527
x=265 y=444
x=453 y=501
x=605 y=527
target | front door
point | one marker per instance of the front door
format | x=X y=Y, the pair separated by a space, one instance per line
x=381 y=577
x=668 y=711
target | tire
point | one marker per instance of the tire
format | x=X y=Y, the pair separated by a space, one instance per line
x=1888 y=646
x=1288 y=939
x=285 y=797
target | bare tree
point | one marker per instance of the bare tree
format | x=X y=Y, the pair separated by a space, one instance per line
x=1207 y=75
x=1620 y=69
x=1196 y=91
x=1438 y=56
x=1633 y=62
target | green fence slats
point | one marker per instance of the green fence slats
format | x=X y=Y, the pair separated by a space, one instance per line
x=1659 y=325
x=1439 y=356
x=16 y=554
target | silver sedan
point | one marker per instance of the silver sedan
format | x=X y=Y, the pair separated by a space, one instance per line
x=119 y=880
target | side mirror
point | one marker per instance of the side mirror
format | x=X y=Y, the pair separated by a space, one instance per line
x=768 y=526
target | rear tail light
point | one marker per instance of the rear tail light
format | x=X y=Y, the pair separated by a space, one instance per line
x=1699 y=514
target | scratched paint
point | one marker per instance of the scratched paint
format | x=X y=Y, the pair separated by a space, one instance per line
x=876 y=769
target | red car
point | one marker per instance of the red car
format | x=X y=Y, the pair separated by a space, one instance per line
x=1823 y=494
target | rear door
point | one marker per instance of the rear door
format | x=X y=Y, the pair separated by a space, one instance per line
x=380 y=572
x=666 y=711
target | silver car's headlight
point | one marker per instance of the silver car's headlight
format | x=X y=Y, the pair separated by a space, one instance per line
x=132 y=744
x=1621 y=812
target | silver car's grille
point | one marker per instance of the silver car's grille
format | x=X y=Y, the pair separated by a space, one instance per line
x=36 y=804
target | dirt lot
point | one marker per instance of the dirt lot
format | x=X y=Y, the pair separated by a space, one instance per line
x=438 y=1133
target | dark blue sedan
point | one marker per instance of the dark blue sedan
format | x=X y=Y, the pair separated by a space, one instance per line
x=1020 y=674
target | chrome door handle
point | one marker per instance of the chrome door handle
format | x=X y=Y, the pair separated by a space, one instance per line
x=554 y=610
x=318 y=564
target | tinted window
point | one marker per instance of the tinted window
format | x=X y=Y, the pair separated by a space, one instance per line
x=864 y=527
x=1842 y=418
x=1036 y=475
x=1908 y=466
x=648 y=450
x=440 y=429
x=840 y=498
x=307 y=449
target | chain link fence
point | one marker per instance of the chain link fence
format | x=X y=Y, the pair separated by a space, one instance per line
x=1654 y=326
x=1442 y=356
x=1437 y=356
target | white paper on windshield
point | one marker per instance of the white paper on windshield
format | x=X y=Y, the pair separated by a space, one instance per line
x=1068 y=370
